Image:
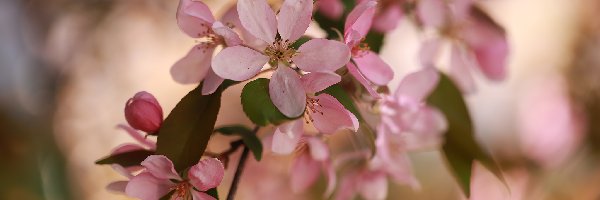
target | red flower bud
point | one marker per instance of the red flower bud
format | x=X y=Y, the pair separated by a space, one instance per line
x=144 y=113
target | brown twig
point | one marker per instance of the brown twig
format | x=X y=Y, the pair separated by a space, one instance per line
x=239 y=169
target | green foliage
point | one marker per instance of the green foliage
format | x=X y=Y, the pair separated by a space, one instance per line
x=460 y=147
x=213 y=193
x=248 y=137
x=258 y=105
x=185 y=133
x=126 y=159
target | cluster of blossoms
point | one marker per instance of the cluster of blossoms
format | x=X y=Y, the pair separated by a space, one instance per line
x=255 y=39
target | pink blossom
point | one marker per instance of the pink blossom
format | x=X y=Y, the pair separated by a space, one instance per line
x=308 y=165
x=159 y=178
x=144 y=113
x=370 y=69
x=195 y=19
x=317 y=55
x=477 y=40
x=332 y=9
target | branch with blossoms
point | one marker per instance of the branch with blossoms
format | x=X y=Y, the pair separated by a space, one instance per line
x=336 y=85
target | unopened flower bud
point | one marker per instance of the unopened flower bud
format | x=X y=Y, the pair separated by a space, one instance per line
x=144 y=113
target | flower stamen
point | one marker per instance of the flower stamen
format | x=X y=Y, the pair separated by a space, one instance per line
x=280 y=50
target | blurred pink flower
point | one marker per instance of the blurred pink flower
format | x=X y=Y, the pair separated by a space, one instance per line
x=486 y=186
x=317 y=55
x=386 y=17
x=308 y=165
x=370 y=68
x=143 y=112
x=477 y=40
x=332 y=9
x=550 y=128
x=159 y=178
x=196 y=20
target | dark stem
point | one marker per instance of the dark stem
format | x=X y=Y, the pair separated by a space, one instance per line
x=239 y=170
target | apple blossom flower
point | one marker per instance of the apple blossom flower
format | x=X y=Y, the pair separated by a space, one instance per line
x=477 y=41
x=159 y=178
x=332 y=9
x=370 y=69
x=312 y=159
x=196 y=20
x=143 y=112
x=241 y=63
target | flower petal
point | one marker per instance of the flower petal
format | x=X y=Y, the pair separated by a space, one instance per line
x=286 y=137
x=348 y=186
x=194 y=18
x=317 y=81
x=201 y=196
x=294 y=18
x=287 y=93
x=305 y=173
x=126 y=148
x=331 y=179
x=461 y=63
x=258 y=18
x=332 y=9
x=489 y=44
x=231 y=18
x=362 y=80
x=373 y=68
x=373 y=185
x=238 y=63
x=318 y=149
x=389 y=19
x=432 y=13
x=418 y=85
x=207 y=174
x=322 y=55
x=161 y=167
x=429 y=51
x=140 y=137
x=361 y=17
x=144 y=186
x=330 y=115
x=117 y=186
x=230 y=36
x=193 y=67
x=211 y=82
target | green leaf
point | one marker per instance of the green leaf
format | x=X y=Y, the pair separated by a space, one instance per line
x=460 y=146
x=184 y=134
x=248 y=136
x=213 y=193
x=258 y=105
x=126 y=159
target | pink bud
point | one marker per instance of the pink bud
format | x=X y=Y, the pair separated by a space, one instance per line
x=144 y=113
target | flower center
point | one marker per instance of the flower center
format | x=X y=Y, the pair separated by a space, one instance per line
x=182 y=191
x=280 y=51
x=312 y=107
x=360 y=49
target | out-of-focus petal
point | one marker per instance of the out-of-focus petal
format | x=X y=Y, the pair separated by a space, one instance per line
x=426 y=130
x=207 y=174
x=317 y=81
x=373 y=68
x=361 y=79
x=117 y=186
x=332 y=9
x=361 y=17
x=121 y=170
x=286 y=91
x=330 y=115
x=429 y=51
x=144 y=186
x=461 y=64
x=294 y=17
x=488 y=42
x=238 y=63
x=230 y=36
x=373 y=185
x=432 y=13
x=211 y=82
x=160 y=167
x=389 y=19
x=201 y=196
x=126 y=148
x=318 y=149
x=258 y=19
x=305 y=172
x=194 y=18
x=322 y=55
x=192 y=68
x=140 y=137
x=331 y=179
x=286 y=137
x=418 y=85
x=348 y=186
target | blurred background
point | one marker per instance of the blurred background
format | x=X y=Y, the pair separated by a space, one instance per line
x=67 y=67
